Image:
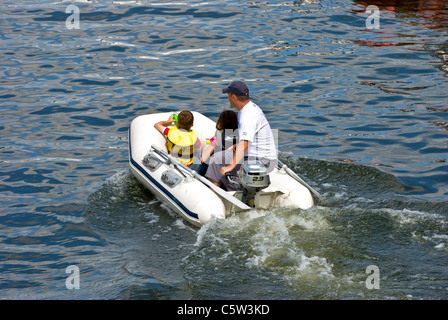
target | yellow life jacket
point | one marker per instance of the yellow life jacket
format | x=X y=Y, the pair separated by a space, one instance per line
x=180 y=144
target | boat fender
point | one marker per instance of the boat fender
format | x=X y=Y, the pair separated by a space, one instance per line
x=171 y=178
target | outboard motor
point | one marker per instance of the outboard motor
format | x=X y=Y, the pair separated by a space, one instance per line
x=254 y=177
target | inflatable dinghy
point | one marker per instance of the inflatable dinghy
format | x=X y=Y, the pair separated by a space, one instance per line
x=193 y=196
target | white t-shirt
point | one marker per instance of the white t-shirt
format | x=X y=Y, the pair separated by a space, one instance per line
x=254 y=127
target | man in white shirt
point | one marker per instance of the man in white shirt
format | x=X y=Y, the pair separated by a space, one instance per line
x=256 y=140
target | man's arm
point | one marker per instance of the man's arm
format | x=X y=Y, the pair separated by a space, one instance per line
x=241 y=149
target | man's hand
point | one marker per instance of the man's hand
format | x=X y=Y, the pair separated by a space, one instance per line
x=240 y=150
x=227 y=169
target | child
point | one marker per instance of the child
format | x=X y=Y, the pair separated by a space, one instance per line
x=226 y=135
x=181 y=140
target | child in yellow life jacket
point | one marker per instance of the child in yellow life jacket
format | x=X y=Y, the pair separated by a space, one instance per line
x=181 y=140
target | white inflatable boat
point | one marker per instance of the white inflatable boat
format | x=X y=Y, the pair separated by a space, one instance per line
x=192 y=196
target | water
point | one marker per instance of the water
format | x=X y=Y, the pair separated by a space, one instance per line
x=362 y=116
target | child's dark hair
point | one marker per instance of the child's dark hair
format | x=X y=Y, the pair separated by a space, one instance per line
x=227 y=120
x=185 y=120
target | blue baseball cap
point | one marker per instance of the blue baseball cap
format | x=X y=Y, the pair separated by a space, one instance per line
x=237 y=87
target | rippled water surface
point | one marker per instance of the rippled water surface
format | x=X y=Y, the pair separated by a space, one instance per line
x=361 y=113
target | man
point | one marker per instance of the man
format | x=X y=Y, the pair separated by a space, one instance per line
x=256 y=140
